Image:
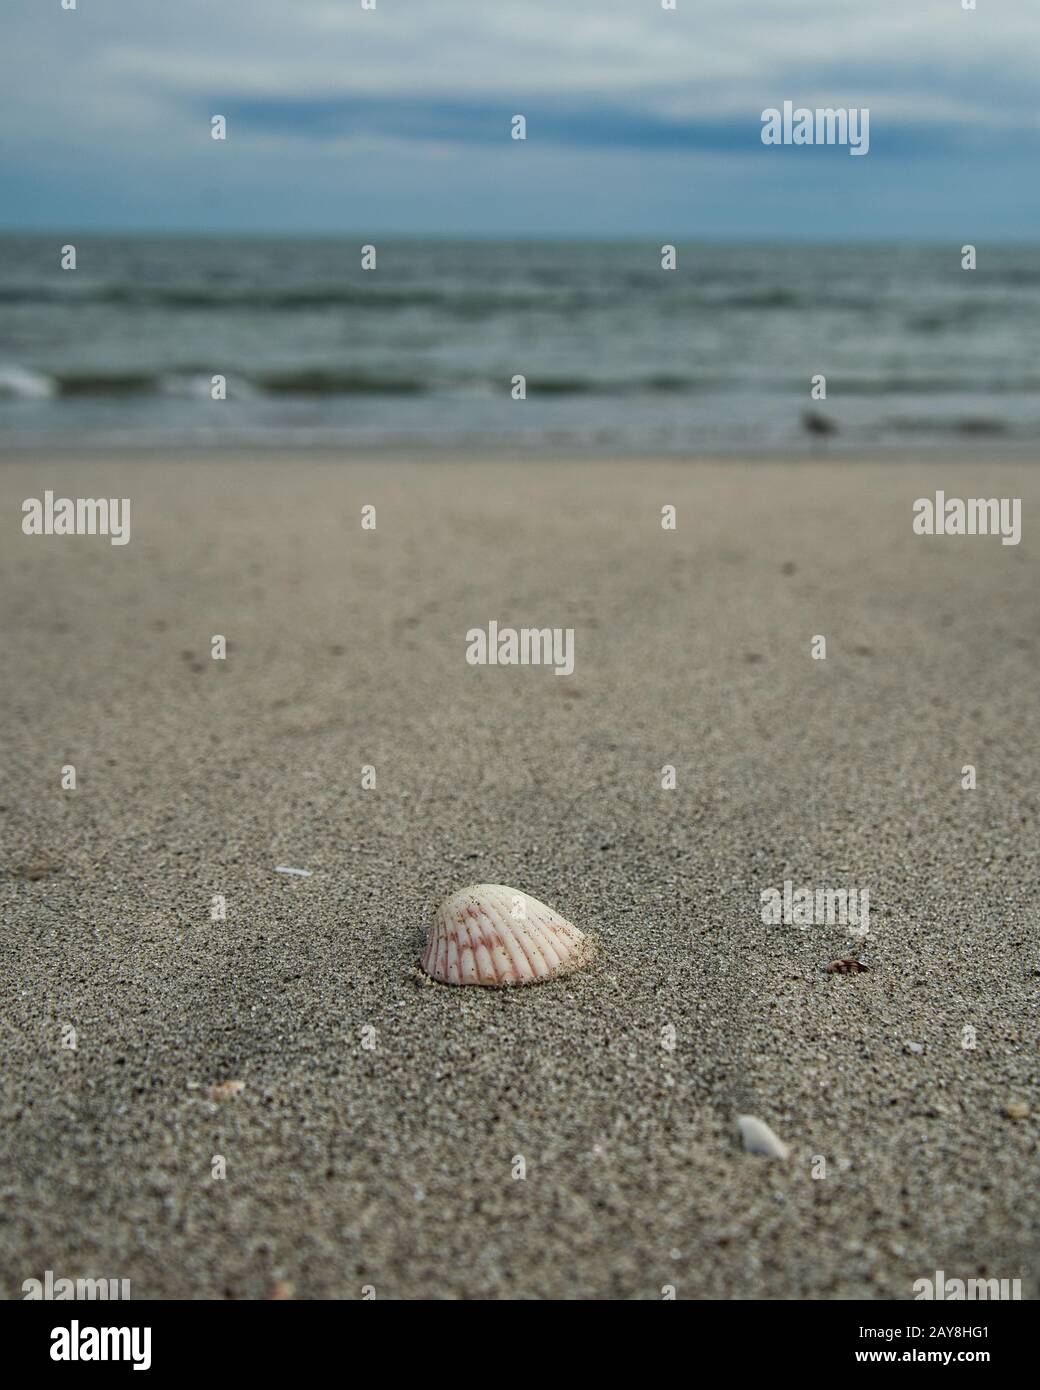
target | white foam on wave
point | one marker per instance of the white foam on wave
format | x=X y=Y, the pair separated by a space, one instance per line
x=185 y=386
x=25 y=384
x=194 y=386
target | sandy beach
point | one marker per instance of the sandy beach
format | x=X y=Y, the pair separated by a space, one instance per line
x=390 y=1167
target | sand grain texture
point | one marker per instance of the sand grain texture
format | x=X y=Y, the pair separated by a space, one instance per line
x=391 y=1167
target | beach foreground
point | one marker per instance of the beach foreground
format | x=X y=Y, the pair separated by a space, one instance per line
x=359 y=1159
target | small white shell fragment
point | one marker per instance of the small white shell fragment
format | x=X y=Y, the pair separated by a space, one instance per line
x=489 y=934
x=759 y=1138
x=282 y=869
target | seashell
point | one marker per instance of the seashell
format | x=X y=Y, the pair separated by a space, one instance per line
x=759 y=1138
x=848 y=966
x=492 y=935
x=224 y=1090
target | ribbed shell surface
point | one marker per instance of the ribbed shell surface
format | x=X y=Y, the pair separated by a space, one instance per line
x=493 y=935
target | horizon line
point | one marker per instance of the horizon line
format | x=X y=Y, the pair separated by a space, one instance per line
x=579 y=238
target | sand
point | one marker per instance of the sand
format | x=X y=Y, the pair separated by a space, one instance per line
x=391 y=1167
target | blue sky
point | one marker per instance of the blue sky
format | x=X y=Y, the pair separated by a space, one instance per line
x=640 y=121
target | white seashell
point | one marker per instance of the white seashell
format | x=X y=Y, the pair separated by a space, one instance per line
x=493 y=935
x=759 y=1138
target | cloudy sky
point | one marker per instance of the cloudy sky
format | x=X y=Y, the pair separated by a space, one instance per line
x=639 y=120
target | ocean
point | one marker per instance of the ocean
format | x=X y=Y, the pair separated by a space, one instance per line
x=618 y=354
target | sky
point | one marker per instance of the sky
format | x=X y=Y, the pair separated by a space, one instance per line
x=640 y=120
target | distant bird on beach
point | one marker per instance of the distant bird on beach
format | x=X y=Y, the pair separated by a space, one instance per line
x=818 y=424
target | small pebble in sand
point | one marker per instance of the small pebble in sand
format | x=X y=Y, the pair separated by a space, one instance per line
x=280 y=1291
x=846 y=967
x=284 y=869
x=759 y=1138
x=492 y=935
x=224 y=1090
x=915 y=1049
x=1016 y=1110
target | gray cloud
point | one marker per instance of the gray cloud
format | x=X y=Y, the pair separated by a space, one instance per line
x=114 y=99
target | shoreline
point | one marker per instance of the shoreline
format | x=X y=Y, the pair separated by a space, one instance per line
x=972 y=451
